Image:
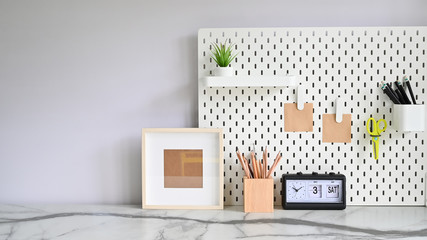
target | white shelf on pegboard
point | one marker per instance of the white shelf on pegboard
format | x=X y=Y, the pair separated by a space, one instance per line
x=250 y=81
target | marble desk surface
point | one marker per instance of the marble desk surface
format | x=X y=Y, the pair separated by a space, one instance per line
x=131 y=222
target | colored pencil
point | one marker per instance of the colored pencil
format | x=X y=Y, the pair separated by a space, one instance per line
x=276 y=161
x=254 y=164
x=248 y=165
x=243 y=163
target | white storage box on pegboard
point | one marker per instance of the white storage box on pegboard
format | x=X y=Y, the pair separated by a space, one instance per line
x=408 y=118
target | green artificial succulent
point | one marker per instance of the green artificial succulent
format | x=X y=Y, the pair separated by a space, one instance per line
x=222 y=54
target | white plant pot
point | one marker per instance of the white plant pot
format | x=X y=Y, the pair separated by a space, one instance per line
x=223 y=72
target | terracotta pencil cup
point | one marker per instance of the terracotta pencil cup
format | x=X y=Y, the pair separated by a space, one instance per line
x=258 y=195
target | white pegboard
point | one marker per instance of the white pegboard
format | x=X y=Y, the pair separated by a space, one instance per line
x=330 y=62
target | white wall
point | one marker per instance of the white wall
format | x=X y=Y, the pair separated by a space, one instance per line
x=79 y=79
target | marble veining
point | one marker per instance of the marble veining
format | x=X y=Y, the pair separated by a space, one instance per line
x=131 y=222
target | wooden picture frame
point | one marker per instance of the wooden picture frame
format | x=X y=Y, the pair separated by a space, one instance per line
x=182 y=168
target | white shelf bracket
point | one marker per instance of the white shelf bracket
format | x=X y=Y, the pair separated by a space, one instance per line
x=339 y=110
x=300 y=97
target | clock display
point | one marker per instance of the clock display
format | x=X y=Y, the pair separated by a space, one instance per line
x=326 y=191
x=333 y=191
x=313 y=191
x=296 y=190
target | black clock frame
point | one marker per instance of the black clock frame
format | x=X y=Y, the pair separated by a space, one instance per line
x=311 y=205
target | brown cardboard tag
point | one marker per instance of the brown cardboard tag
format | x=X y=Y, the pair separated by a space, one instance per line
x=298 y=120
x=336 y=132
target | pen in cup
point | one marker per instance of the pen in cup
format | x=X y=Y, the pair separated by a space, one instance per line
x=406 y=80
x=389 y=93
x=399 y=86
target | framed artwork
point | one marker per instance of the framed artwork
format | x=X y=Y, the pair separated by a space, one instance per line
x=182 y=168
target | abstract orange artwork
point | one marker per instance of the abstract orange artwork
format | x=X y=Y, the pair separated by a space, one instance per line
x=183 y=168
